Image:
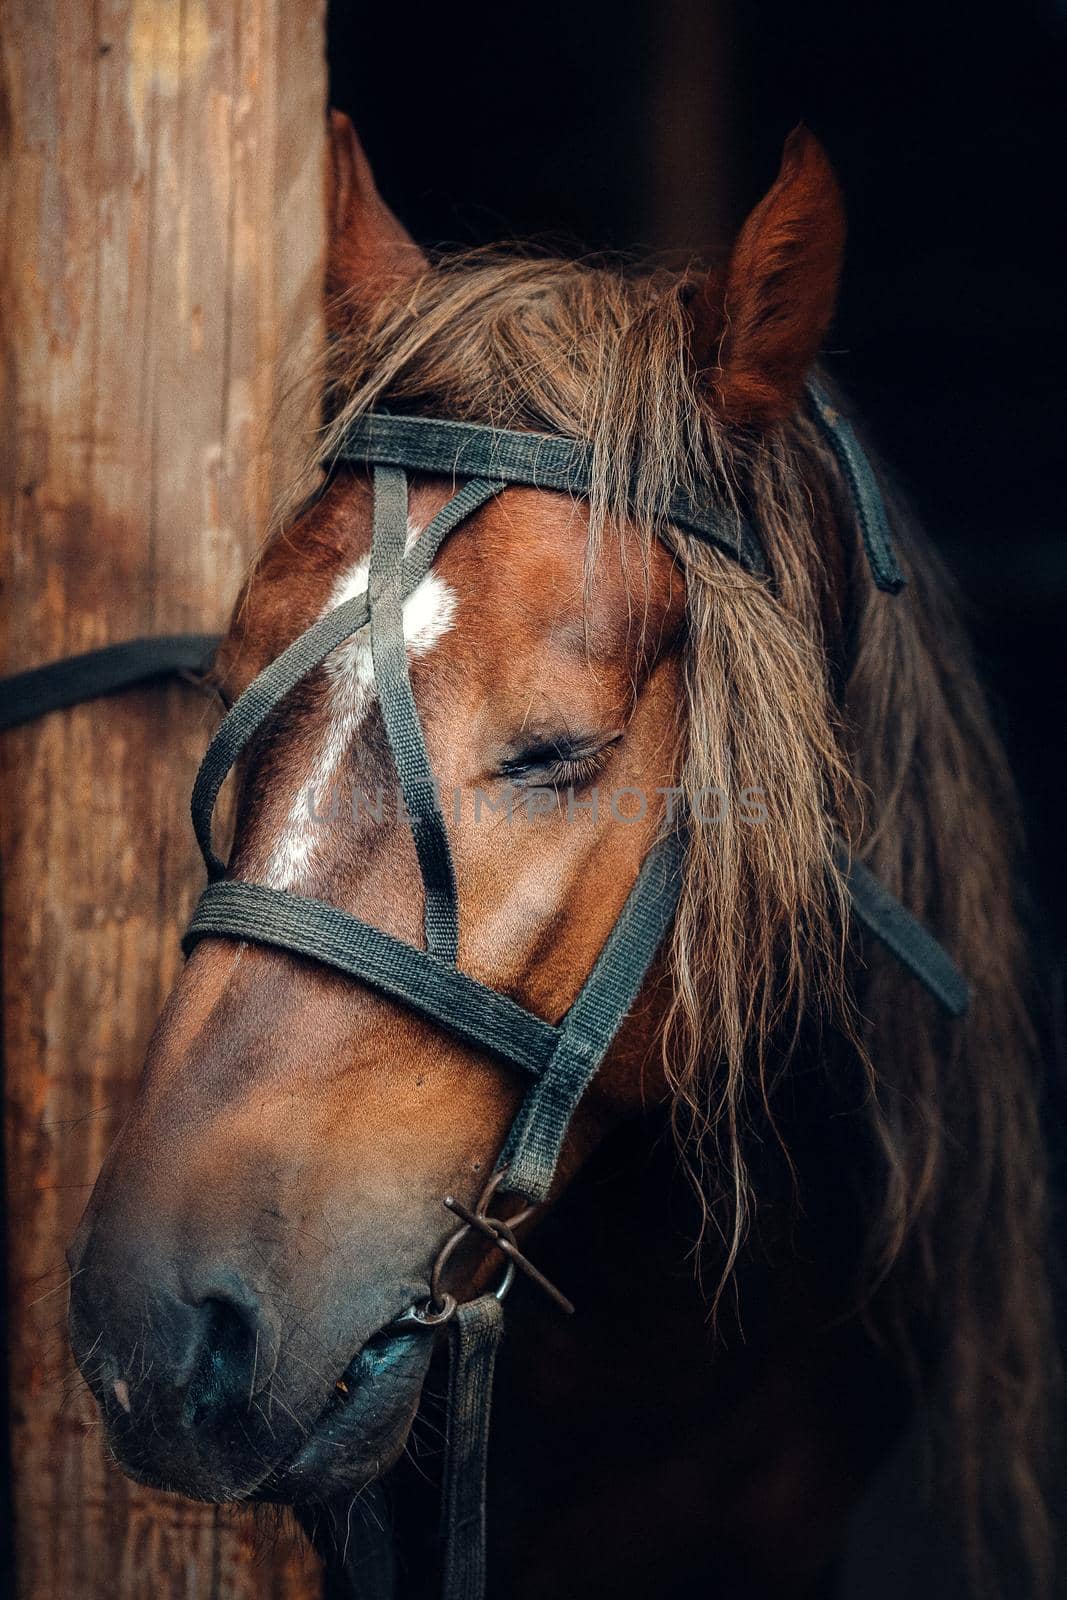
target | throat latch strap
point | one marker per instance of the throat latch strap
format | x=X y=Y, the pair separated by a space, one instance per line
x=884 y=916
x=864 y=490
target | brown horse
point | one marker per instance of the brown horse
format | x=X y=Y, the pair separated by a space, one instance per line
x=861 y=1175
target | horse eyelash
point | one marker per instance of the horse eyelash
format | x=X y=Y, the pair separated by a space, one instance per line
x=557 y=768
x=573 y=773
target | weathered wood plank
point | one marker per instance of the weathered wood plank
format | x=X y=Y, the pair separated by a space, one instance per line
x=160 y=189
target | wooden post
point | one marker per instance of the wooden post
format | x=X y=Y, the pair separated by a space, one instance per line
x=161 y=240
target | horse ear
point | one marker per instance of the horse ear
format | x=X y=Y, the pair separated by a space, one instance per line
x=368 y=249
x=755 y=338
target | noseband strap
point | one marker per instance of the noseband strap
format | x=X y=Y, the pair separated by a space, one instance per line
x=427 y=984
x=560 y=1059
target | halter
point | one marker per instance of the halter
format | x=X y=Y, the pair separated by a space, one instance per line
x=557 y=1060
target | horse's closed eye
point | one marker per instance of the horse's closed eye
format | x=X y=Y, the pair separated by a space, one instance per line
x=562 y=762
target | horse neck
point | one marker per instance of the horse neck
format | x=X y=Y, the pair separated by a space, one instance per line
x=644 y=1390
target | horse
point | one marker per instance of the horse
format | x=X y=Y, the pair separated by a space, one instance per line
x=800 y=1210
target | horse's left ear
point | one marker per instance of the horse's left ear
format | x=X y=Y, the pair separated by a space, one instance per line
x=755 y=340
x=368 y=250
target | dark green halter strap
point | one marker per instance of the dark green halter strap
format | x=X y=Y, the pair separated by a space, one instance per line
x=864 y=490
x=389 y=657
x=538 y=460
x=435 y=988
x=916 y=949
x=75 y=679
x=534 y=1144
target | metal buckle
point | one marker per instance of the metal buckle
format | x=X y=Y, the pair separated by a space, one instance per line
x=440 y=1306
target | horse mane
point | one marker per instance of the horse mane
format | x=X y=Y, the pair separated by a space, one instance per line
x=855 y=711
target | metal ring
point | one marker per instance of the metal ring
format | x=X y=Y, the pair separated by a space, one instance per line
x=426 y=1315
x=485 y=1200
x=440 y=1306
x=449 y=1248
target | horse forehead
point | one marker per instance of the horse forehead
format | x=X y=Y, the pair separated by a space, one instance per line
x=521 y=567
x=517 y=566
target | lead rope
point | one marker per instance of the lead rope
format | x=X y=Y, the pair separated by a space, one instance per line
x=75 y=679
x=474 y=1338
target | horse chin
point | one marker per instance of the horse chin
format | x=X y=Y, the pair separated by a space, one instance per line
x=360 y=1432
x=363 y=1428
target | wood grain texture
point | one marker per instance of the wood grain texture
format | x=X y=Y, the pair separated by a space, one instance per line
x=161 y=239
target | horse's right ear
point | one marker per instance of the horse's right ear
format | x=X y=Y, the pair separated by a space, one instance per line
x=757 y=332
x=368 y=251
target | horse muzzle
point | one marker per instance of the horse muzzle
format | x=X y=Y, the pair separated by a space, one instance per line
x=210 y=1400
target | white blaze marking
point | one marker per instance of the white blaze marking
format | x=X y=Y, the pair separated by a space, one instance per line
x=428 y=613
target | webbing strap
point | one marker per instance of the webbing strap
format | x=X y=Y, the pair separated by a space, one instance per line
x=390 y=659
x=117 y=666
x=474 y=1339
x=867 y=498
x=586 y=1032
x=538 y=460
x=564 y=1058
x=467 y=1008
x=248 y=714
x=884 y=916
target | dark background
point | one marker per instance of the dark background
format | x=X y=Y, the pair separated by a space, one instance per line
x=658 y=126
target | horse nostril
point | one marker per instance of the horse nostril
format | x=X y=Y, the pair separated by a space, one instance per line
x=225 y=1371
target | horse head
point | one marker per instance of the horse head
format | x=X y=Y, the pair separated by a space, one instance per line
x=254 y=1281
